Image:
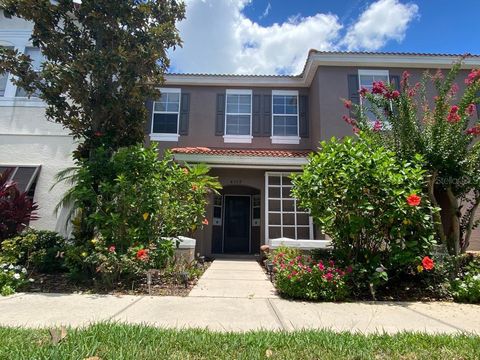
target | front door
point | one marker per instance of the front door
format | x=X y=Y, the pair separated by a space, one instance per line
x=236 y=237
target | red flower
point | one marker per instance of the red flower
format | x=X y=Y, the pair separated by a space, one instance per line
x=474 y=130
x=428 y=263
x=378 y=87
x=347 y=104
x=328 y=276
x=111 y=248
x=349 y=120
x=142 y=254
x=405 y=77
x=356 y=130
x=377 y=126
x=395 y=94
x=473 y=76
x=205 y=221
x=321 y=267
x=413 y=200
x=363 y=91
x=470 y=109
x=453 y=116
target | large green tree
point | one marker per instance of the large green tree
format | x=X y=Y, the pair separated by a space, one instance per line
x=103 y=60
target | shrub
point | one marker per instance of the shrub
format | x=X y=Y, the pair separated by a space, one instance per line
x=12 y=277
x=141 y=201
x=302 y=278
x=466 y=287
x=39 y=250
x=371 y=205
x=16 y=209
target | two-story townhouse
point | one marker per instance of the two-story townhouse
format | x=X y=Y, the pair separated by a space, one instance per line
x=254 y=131
x=35 y=148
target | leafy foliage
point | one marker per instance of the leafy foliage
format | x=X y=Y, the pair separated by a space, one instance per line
x=371 y=205
x=12 y=277
x=16 y=209
x=37 y=250
x=301 y=277
x=444 y=132
x=142 y=201
x=466 y=286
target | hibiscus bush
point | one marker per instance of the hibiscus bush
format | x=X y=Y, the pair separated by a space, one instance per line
x=444 y=130
x=372 y=205
x=142 y=201
x=301 y=277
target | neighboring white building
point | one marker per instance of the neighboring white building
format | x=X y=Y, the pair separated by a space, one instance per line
x=36 y=148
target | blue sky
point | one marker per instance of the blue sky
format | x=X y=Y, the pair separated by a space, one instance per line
x=273 y=36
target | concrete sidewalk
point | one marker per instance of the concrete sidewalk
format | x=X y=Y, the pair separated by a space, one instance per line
x=227 y=278
x=237 y=314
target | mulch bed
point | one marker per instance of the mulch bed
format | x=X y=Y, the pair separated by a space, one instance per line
x=162 y=285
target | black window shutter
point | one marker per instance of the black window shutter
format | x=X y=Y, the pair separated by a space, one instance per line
x=256 y=115
x=353 y=88
x=395 y=82
x=184 y=114
x=148 y=123
x=267 y=116
x=220 y=115
x=303 y=116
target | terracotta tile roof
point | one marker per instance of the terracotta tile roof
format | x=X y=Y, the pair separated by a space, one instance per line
x=242 y=152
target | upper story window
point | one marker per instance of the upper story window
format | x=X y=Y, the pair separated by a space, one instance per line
x=238 y=116
x=4 y=76
x=37 y=59
x=366 y=79
x=285 y=117
x=165 y=115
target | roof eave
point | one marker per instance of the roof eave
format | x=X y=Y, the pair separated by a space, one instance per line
x=316 y=59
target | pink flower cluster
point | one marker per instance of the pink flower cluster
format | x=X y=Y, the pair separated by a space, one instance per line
x=379 y=88
x=473 y=76
x=294 y=269
x=474 y=130
x=453 y=116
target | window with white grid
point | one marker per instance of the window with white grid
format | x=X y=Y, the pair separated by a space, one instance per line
x=283 y=218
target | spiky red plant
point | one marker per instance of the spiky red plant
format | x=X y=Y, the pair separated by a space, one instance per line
x=16 y=208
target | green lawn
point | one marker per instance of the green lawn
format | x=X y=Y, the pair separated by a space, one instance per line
x=111 y=341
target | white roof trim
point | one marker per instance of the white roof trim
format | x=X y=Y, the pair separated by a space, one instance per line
x=314 y=60
x=242 y=161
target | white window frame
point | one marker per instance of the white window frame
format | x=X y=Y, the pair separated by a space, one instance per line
x=294 y=139
x=268 y=239
x=167 y=136
x=239 y=139
x=371 y=72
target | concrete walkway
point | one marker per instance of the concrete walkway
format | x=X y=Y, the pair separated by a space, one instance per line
x=227 y=278
x=236 y=296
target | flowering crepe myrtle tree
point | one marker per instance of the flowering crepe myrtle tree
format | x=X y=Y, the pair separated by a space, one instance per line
x=444 y=130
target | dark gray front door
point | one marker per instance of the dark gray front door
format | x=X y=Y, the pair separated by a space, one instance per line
x=237 y=224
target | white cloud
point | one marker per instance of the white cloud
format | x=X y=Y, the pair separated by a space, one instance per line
x=218 y=38
x=382 y=21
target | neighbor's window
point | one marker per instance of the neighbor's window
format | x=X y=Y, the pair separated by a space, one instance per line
x=284 y=113
x=238 y=115
x=37 y=59
x=166 y=114
x=366 y=79
x=4 y=76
